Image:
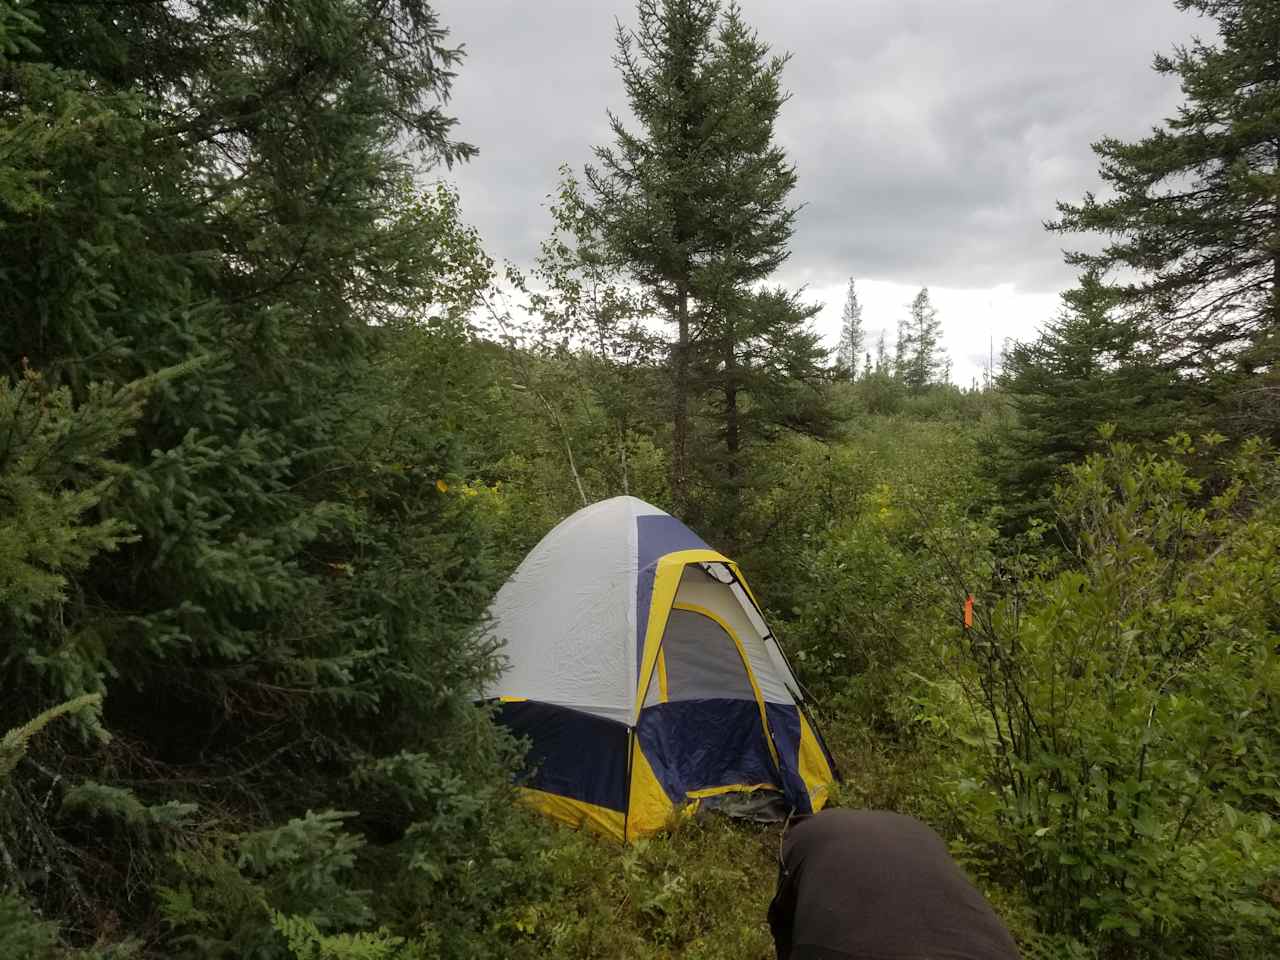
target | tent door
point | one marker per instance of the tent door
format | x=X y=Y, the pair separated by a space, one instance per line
x=704 y=721
x=745 y=664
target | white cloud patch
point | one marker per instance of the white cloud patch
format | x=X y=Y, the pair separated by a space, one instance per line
x=975 y=322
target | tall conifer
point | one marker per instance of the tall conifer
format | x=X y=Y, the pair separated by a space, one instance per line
x=921 y=357
x=852 y=336
x=1193 y=215
x=694 y=200
x=1086 y=368
x=220 y=294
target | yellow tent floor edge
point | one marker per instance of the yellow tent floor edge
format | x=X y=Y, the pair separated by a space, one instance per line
x=575 y=813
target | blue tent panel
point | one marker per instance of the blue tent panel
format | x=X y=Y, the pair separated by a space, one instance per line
x=573 y=754
x=699 y=744
x=784 y=721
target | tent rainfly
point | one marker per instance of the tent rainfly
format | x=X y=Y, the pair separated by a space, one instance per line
x=645 y=679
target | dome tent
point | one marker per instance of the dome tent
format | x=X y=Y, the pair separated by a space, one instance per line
x=645 y=678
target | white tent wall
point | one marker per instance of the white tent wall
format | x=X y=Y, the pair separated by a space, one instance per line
x=567 y=615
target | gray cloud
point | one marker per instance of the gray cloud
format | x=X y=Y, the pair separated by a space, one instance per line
x=932 y=139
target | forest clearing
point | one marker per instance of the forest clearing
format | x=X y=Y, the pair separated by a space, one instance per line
x=276 y=427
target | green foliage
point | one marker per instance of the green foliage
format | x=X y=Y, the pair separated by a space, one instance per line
x=921 y=360
x=54 y=469
x=260 y=476
x=25 y=838
x=91 y=800
x=1120 y=705
x=765 y=379
x=1191 y=219
x=862 y=606
x=306 y=942
x=1089 y=367
x=15 y=742
x=22 y=934
x=694 y=207
x=1100 y=748
x=852 y=335
x=234 y=493
x=230 y=896
x=580 y=371
x=699 y=892
x=878 y=393
x=696 y=76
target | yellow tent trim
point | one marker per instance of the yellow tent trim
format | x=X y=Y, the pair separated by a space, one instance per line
x=666 y=581
x=649 y=808
x=746 y=665
x=513 y=699
x=662 y=676
x=815 y=771
x=576 y=813
x=730 y=788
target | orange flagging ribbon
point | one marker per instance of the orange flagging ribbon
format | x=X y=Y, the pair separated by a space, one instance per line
x=968 y=612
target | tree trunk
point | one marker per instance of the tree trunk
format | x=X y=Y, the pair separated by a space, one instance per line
x=680 y=405
x=732 y=435
x=1274 y=332
x=1275 y=282
x=732 y=439
x=731 y=442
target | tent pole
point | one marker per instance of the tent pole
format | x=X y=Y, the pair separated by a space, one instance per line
x=626 y=811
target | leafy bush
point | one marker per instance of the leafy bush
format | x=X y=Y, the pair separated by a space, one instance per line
x=22 y=934
x=231 y=464
x=864 y=598
x=229 y=897
x=1111 y=720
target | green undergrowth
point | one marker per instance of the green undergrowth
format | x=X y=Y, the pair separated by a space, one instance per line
x=702 y=891
x=699 y=893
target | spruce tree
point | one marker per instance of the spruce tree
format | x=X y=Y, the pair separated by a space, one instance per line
x=921 y=359
x=901 y=349
x=1176 y=320
x=233 y=379
x=852 y=336
x=765 y=380
x=1193 y=219
x=1088 y=367
x=694 y=202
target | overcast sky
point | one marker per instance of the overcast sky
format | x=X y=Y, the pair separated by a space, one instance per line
x=931 y=137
